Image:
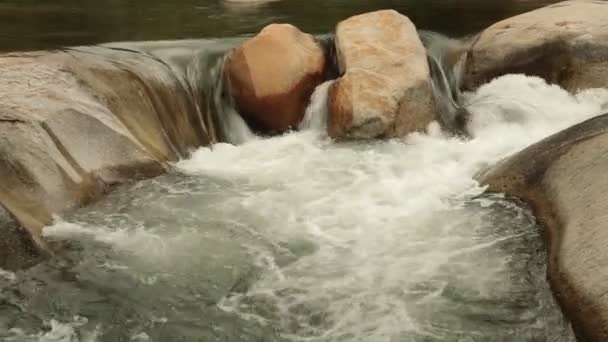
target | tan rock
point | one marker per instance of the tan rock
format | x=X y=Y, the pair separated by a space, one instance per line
x=565 y=43
x=272 y=76
x=564 y=180
x=385 y=90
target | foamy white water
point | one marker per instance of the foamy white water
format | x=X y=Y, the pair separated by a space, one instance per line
x=298 y=238
x=315 y=117
x=386 y=216
x=55 y=332
x=6 y=275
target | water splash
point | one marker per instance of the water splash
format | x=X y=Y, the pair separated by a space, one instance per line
x=315 y=117
x=518 y=107
x=7 y=275
x=56 y=332
x=446 y=58
x=235 y=129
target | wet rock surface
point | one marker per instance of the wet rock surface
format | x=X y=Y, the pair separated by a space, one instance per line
x=75 y=122
x=565 y=43
x=563 y=179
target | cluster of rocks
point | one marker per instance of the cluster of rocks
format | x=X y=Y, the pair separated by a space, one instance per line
x=384 y=85
x=384 y=88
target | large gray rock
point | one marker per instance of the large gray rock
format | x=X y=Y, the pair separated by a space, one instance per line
x=565 y=43
x=73 y=123
x=385 y=89
x=564 y=180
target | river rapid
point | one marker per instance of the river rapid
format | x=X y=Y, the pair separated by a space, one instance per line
x=299 y=238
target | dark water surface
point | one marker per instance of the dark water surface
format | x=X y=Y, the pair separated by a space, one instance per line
x=36 y=24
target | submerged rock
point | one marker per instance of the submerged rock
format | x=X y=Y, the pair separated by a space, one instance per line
x=17 y=250
x=75 y=122
x=272 y=76
x=565 y=43
x=385 y=89
x=564 y=179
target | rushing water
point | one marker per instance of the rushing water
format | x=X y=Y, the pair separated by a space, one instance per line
x=35 y=24
x=298 y=238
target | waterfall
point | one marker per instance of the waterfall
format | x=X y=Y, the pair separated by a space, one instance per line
x=315 y=117
x=233 y=127
x=446 y=58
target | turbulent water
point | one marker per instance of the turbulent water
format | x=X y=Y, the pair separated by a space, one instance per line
x=298 y=238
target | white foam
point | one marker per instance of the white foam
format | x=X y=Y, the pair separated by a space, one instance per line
x=57 y=332
x=7 y=275
x=235 y=128
x=529 y=108
x=140 y=337
x=315 y=117
x=376 y=209
x=135 y=239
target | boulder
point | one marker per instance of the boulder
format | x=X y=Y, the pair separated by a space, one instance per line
x=385 y=89
x=565 y=43
x=73 y=123
x=272 y=76
x=563 y=178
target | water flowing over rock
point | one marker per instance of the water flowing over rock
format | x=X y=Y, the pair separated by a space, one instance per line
x=77 y=121
x=272 y=76
x=563 y=179
x=446 y=58
x=565 y=43
x=385 y=89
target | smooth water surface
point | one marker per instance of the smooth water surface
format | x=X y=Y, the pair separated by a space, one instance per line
x=297 y=238
x=37 y=24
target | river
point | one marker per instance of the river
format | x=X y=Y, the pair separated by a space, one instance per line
x=297 y=237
